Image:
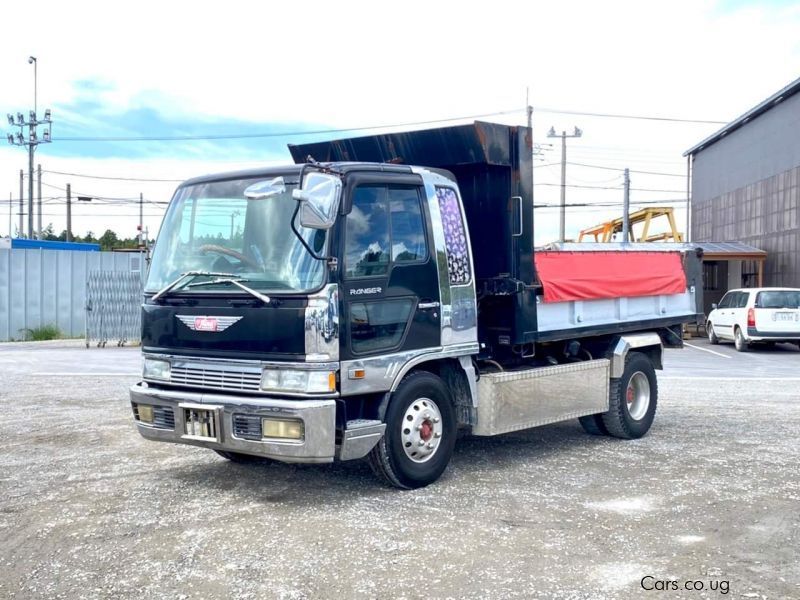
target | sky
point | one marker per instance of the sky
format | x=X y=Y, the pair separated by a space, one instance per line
x=294 y=71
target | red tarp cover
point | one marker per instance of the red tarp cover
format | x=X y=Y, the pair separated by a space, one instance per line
x=586 y=275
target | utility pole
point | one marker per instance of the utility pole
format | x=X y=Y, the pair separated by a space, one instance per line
x=69 y=212
x=563 y=212
x=21 y=232
x=39 y=200
x=529 y=110
x=626 y=203
x=32 y=141
x=141 y=218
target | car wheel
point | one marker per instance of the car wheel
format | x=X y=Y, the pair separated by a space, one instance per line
x=739 y=341
x=712 y=336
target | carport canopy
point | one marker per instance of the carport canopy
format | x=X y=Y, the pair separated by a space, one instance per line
x=734 y=251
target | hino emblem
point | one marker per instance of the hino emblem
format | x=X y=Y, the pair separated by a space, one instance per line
x=206 y=323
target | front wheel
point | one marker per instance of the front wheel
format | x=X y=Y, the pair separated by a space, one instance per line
x=739 y=341
x=420 y=433
x=632 y=399
x=712 y=335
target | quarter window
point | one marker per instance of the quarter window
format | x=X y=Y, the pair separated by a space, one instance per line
x=455 y=236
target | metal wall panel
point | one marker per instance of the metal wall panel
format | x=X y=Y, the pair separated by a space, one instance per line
x=48 y=287
x=746 y=187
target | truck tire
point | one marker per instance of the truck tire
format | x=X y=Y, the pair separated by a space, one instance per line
x=712 y=335
x=739 y=342
x=420 y=433
x=632 y=399
x=593 y=425
x=242 y=459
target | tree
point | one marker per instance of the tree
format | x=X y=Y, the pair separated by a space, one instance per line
x=108 y=241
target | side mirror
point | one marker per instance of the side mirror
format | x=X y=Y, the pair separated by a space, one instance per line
x=265 y=189
x=714 y=306
x=319 y=200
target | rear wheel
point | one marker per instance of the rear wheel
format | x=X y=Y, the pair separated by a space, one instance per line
x=712 y=336
x=420 y=433
x=739 y=341
x=632 y=399
x=593 y=425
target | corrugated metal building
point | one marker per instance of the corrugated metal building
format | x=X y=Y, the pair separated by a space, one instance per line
x=746 y=186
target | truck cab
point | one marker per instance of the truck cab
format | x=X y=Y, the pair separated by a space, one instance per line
x=336 y=310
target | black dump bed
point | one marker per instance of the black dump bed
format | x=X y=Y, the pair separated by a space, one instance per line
x=491 y=163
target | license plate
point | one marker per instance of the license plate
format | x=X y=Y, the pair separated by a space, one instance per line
x=784 y=316
x=200 y=422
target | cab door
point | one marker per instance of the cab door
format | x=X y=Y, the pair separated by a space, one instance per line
x=389 y=276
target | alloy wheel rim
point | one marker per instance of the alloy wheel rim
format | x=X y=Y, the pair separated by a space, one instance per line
x=421 y=430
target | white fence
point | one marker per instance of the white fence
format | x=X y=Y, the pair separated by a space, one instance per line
x=48 y=287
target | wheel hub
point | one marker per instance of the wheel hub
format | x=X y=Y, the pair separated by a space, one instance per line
x=637 y=395
x=421 y=430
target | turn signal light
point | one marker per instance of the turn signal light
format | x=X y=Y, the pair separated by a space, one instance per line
x=751 y=317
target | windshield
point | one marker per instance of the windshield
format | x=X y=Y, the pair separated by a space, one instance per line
x=213 y=227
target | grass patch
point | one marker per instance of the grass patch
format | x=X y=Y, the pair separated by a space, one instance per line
x=45 y=332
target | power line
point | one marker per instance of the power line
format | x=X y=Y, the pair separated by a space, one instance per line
x=235 y=136
x=682 y=176
x=239 y=136
x=623 y=116
x=602 y=187
x=114 y=178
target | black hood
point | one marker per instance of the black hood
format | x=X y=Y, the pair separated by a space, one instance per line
x=258 y=331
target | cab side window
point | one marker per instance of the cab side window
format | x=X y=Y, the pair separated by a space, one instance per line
x=367 y=243
x=726 y=300
x=385 y=226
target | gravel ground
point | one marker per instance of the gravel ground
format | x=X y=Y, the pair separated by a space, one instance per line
x=88 y=509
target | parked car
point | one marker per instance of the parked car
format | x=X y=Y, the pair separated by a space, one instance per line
x=756 y=315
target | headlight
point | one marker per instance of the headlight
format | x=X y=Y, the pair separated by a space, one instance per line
x=291 y=380
x=156 y=369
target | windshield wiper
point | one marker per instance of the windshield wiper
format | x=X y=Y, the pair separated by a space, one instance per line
x=184 y=276
x=225 y=278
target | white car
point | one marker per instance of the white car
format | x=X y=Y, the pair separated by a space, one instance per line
x=765 y=315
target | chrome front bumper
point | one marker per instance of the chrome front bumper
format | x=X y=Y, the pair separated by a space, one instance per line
x=318 y=416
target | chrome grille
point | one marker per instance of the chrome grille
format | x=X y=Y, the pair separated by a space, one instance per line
x=247 y=427
x=222 y=377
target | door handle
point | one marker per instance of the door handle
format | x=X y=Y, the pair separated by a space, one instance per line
x=425 y=305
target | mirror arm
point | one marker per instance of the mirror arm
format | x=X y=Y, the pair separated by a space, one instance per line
x=299 y=236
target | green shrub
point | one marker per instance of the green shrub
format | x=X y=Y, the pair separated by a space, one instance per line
x=45 y=332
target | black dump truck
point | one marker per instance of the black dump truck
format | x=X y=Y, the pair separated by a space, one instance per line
x=383 y=293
